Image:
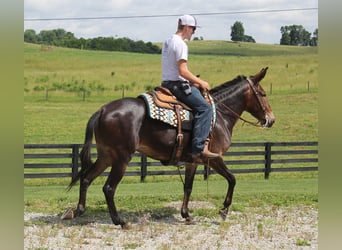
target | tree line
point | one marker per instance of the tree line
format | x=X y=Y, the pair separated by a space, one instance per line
x=295 y=35
x=62 y=38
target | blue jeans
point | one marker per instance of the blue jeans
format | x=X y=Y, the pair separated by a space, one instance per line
x=202 y=113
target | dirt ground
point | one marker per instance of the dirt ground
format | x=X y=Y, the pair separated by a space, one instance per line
x=271 y=228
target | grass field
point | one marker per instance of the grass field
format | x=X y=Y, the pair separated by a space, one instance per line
x=62 y=117
x=136 y=197
x=291 y=68
x=64 y=122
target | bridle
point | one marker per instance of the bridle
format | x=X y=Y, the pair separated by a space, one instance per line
x=257 y=95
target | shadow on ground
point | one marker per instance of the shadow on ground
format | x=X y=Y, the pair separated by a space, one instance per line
x=100 y=215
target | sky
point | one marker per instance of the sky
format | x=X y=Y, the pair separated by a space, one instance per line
x=156 y=20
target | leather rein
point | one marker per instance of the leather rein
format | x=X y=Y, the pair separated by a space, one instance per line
x=257 y=95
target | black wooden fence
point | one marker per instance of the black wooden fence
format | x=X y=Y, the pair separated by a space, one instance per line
x=62 y=160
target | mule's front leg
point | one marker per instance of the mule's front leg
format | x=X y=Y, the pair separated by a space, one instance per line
x=190 y=170
x=229 y=197
x=221 y=169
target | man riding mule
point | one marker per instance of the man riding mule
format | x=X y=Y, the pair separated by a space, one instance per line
x=123 y=126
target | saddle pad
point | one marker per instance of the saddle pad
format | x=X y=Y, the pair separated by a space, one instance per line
x=168 y=116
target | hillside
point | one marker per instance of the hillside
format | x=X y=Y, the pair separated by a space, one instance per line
x=216 y=61
x=230 y=48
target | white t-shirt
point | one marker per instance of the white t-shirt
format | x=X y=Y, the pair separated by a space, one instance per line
x=174 y=49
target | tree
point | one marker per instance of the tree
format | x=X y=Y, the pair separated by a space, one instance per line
x=47 y=37
x=285 y=39
x=60 y=33
x=30 y=36
x=306 y=37
x=248 y=39
x=237 y=32
x=314 y=39
x=295 y=35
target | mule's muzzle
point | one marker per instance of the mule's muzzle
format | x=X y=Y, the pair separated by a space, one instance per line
x=268 y=121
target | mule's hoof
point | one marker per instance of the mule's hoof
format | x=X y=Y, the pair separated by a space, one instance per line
x=189 y=221
x=223 y=213
x=68 y=214
x=126 y=226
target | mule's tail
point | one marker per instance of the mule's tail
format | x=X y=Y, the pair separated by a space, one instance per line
x=85 y=154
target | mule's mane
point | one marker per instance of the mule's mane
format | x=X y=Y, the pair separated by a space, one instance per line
x=224 y=86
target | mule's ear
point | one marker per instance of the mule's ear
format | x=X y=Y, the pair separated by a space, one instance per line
x=259 y=76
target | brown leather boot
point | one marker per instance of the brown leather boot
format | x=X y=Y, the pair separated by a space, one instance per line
x=206 y=153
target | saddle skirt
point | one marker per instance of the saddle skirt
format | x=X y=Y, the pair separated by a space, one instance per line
x=161 y=105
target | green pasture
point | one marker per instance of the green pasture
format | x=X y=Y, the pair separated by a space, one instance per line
x=110 y=72
x=64 y=122
x=60 y=115
x=135 y=197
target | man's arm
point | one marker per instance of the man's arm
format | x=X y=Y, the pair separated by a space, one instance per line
x=185 y=73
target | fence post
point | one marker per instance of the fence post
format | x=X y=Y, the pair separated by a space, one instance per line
x=74 y=170
x=143 y=172
x=267 y=159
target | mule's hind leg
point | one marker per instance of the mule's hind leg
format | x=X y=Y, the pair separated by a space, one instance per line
x=99 y=166
x=114 y=178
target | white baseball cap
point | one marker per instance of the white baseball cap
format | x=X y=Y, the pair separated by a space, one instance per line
x=189 y=21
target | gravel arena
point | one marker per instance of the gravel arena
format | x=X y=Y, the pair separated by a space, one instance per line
x=294 y=227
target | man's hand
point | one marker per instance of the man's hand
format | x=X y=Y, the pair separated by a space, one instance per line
x=205 y=85
x=202 y=85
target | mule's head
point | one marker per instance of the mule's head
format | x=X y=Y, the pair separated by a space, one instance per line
x=258 y=104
